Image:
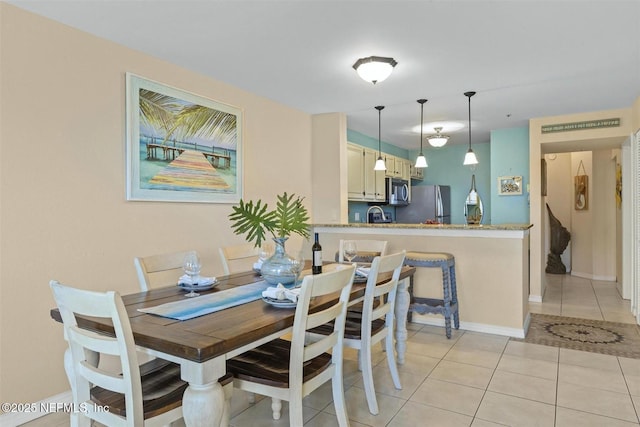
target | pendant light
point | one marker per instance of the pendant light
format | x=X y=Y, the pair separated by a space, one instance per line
x=438 y=140
x=421 y=161
x=470 y=158
x=380 y=166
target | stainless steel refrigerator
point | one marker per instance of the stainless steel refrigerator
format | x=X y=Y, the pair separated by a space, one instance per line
x=429 y=203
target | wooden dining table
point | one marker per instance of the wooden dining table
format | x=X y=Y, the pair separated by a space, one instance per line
x=202 y=345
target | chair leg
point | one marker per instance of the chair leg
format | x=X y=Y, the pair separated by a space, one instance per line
x=454 y=296
x=276 y=407
x=446 y=301
x=391 y=360
x=337 y=387
x=367 y=377
x=295 y=412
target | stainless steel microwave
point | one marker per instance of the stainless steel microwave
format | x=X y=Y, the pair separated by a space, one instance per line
x=397 y=191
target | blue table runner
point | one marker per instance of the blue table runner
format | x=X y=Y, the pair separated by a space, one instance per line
x=206 y=304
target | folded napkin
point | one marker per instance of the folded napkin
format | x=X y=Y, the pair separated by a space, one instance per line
x=281 y=293
x=197 y=281
x=363 y=271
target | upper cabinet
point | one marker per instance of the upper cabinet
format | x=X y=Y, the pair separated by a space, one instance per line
x=364 y=183
x=355 y=175
x=405 y=169
x=416 y=173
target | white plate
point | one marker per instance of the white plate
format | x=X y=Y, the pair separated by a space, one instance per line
x=280 y=303
x=197 y=287
x=359 y=279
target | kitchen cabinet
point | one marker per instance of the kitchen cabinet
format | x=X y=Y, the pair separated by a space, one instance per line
x=364 y=183
x=416 y=173
x=355 y=175
x=394 y=166
x=390 y=163
x=405 y=169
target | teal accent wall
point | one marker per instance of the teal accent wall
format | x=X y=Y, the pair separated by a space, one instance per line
x=506 y=154
x=509 y=157
x=361 y=209
x=446 y=168
x=367 y=141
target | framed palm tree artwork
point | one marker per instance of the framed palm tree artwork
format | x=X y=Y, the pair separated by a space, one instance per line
x=181 y=147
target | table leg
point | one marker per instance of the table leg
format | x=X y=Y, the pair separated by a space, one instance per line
x=204 y=405
x=402 y=308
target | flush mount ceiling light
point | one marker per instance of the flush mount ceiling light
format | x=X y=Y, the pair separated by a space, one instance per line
x=438 y=140
x=374 y=69
x=470 y=158
x=380 y=166
x=421 y=161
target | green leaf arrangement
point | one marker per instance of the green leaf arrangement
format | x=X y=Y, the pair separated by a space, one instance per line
x=254 y=220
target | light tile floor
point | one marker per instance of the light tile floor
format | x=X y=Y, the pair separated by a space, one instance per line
x=483 y=380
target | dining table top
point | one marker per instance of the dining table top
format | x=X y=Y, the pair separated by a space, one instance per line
x=211 y=335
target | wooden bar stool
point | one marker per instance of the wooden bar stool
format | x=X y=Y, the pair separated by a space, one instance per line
x=448 y=305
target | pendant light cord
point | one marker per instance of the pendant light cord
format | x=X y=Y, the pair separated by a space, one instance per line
x=469 y=122
x=379 y=108
x=421 y=101
x=469 y=95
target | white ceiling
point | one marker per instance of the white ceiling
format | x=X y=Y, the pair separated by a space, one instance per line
x=525 y=59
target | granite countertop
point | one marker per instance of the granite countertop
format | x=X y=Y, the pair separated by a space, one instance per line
x=511 y=227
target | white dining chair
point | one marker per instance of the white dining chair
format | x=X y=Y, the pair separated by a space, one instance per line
x=147 y=395
x=159 y=270
x=290 y=370
x=237 y=258
x=164 y=270
x=374 y=323
x=366 y=249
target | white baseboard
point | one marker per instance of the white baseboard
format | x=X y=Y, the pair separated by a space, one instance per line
x=40 y=409
x=581 y=274
x=605 y=278
x=475 y=327
x=535 y=298
x=594 y=276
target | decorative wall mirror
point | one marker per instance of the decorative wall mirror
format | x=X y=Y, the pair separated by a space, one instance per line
x=473 y=205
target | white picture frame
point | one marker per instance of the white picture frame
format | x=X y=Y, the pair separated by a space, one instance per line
x=181 y=147
x=509 y=185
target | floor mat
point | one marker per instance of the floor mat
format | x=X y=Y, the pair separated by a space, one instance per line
x=596 y=336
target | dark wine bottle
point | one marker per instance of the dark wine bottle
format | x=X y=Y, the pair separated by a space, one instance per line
x=316 y=259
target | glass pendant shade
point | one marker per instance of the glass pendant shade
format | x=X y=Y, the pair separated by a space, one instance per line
x=379 y=166
x=421 y=161
x=470 y=158
x=374 y=69
x=438 y=140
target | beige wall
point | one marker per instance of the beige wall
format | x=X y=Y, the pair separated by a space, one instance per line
x=582 y=221
x=329 y=168
x=604 y=216
x=63 y=212
x=491 y=270
x=559 y=198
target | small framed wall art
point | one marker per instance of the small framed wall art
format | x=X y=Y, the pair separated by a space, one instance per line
x=509 y=185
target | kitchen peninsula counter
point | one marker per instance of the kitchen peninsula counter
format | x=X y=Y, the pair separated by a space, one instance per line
x=492 y=267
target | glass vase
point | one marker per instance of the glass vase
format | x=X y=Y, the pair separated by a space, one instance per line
x=278 y=268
